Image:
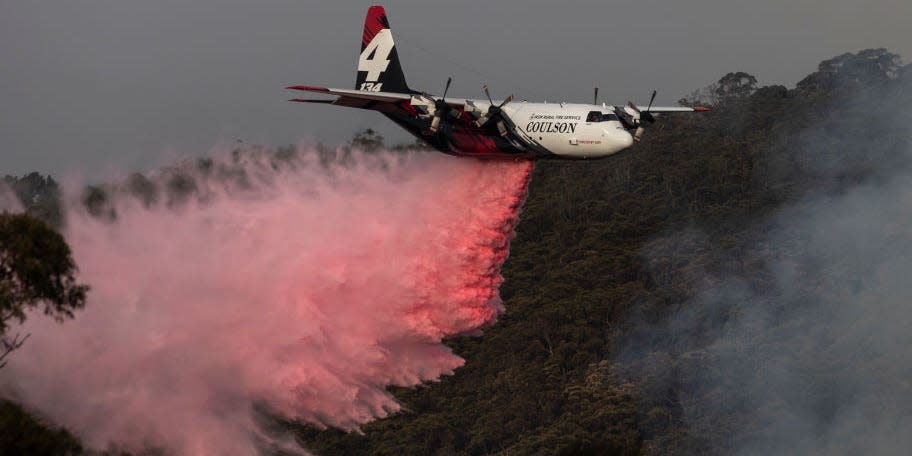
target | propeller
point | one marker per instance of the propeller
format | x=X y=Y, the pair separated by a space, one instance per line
x=647 y=116
x=494 y=113
x=595 y=97
x=441 y=107
x=642 y=118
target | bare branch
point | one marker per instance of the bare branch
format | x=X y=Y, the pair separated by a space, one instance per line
x=8 y=345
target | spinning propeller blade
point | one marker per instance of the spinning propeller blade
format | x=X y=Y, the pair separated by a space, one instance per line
x=450 y=81
x=652 y=99
x=441 y=108
x=645 y=118
x=495 y=113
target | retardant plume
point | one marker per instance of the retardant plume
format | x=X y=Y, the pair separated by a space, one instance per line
x=311 y=288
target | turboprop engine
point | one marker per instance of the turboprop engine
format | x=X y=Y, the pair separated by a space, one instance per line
x=436 y=108
x=494 y=113
x=633 y=118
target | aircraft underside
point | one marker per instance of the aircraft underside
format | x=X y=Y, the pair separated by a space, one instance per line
x=462 y=137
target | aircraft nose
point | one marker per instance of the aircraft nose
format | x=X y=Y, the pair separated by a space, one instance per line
x=626 y=138
x=620 y=139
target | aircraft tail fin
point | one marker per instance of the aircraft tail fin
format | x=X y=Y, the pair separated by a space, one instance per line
x=378 y=65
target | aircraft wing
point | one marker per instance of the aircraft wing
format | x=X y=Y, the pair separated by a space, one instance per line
x=660 y=109
x=358 y=94
x=349 y=97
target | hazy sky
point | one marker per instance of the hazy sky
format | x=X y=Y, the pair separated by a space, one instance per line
x=98 y=85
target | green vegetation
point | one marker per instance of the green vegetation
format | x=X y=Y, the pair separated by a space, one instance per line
x=40 y=196
x=594 y=270
x=36 y=271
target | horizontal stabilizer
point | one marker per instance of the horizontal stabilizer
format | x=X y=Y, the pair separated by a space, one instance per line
x=303 y=100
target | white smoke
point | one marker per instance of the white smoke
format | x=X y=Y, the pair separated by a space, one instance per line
x=812 y=354
x=9 y=202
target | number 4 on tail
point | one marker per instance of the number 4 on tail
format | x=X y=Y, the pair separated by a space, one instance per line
x=375 y=57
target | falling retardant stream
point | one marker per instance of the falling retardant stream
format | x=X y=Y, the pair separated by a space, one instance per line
x=309 y=288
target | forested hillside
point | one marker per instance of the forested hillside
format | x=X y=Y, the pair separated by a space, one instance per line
x=664 y=300
x=588 y=358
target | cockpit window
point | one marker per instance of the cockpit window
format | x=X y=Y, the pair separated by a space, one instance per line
x=597 y=116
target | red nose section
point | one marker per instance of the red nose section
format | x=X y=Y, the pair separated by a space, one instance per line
x=374 y=22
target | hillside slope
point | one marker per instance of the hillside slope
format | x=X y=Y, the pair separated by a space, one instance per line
x=589 y=358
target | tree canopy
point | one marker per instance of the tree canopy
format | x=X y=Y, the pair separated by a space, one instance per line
x=36 y=271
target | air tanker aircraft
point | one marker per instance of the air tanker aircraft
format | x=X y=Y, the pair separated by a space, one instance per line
x=485 y=128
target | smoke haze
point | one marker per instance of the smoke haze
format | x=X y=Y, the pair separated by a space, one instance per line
x=812 y=352
x=8 y=200
x=309 y=289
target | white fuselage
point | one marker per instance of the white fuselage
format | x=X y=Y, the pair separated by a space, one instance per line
x=571 y=130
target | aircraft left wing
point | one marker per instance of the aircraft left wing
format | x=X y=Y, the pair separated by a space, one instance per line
x=359 y=94
x=347 y=96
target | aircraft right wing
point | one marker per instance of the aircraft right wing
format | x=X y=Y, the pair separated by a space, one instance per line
x=659 y=109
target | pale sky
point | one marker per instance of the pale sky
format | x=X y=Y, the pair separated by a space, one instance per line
x=93 y=86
